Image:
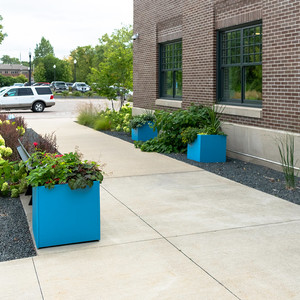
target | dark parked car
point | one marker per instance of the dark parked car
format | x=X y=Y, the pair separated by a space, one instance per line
x=58 y=86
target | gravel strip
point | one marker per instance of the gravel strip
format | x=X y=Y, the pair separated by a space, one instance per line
x=15 y=237
x=259 y=177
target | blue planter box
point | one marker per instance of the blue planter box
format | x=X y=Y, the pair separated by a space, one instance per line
x=64 y=216
x=208 y=148
x=143 y=133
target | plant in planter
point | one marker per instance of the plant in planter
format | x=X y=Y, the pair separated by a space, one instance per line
x=142 y=127
x=65 y=199
x=207 y=144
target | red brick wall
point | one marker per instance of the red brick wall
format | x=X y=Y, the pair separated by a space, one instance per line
x=200 y=20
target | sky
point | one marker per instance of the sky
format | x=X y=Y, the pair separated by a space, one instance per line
x=67 y=24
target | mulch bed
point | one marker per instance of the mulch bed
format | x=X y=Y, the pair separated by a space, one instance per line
x=15 y=237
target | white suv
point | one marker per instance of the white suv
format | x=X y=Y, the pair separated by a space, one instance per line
x=35 y=98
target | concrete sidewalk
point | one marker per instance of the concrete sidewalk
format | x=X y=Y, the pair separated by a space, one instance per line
x=169 y=231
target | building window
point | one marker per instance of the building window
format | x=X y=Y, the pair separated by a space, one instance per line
x=240 y=66
x=171 y=70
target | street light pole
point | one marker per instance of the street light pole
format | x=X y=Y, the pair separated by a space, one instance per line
x=75 y=61
x=29 y=79
x=54 y=67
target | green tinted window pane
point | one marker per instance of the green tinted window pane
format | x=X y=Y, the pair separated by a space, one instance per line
x=178 y=84
x=246 y=32
x=253 y=83
x=258 y=29
x=232 y=83
x=251 y=31
x=167 y=89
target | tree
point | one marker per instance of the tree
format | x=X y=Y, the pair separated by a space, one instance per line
x=39 y=73
x=46 y=69
x=2 y=35
x=42 y=49
x=113 y=77
x=85 y=60
x=6 y=59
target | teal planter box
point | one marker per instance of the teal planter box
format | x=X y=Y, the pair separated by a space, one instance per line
x=143 y=133
x=64 y=216
x=208 y=148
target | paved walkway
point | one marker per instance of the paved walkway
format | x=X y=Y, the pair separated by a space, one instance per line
x=169 y=231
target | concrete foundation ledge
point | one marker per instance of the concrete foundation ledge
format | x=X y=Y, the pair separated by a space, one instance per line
x=258 y=145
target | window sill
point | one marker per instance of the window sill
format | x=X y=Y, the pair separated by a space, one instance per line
x=251 y=112
x=169 y=103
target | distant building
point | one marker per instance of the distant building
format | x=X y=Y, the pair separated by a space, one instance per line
x=241 y=55
x=14 y=70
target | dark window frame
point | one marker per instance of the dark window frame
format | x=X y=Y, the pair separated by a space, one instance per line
x=242 y=64
x=163 y=69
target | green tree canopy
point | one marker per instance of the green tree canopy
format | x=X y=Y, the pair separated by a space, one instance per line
x=45 y=69
x=42 y=49
x=40 y=73
x=2 y=35
x=6 y=59
x=113 y=76
x=85 y=60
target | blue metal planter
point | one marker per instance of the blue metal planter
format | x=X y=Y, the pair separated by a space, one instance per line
x=208 y=148
x=143 y=133
x=64 y=216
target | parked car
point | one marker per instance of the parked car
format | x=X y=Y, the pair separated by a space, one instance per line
x=81 y=87
x=35 y=98
x=41 y=84
x=58 y=86
x=18 y=84
x=69 y=84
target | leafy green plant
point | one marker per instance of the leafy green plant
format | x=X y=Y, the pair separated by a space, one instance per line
x=77 y=94
x=140 y=120
x=11 y=131
x=106 y=119
x=286 y=148
x=189 y=134
x=65 y=93
x=102 y=123
x=170 y=125
x=12 y=178
x=51 y=169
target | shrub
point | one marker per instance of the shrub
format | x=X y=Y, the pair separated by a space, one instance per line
x=170 y=125
x=11 y=131
x=89 y=94
x=46 y=142
x=77 y=94
x=102 y=123
x=12 y=178
x=140 y=120
x=107 y=119
x=65 y=93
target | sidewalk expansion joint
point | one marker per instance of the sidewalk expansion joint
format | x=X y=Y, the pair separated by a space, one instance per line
x=37 y=277
x=154 y=174
x=168 y=241
x=235 y=228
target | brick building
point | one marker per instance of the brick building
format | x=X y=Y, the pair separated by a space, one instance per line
x=243 y=55
x=14 y=70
